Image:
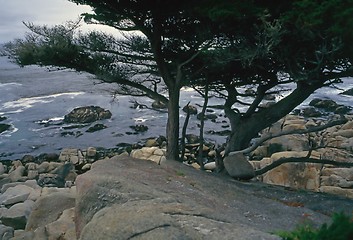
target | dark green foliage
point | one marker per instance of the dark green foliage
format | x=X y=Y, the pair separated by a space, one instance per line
x=341 y=228
x=226 y=44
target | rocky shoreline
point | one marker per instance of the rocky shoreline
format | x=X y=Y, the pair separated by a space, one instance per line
x=33 y=185
x=53 y=200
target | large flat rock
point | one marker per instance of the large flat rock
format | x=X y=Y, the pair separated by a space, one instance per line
x=126 y=198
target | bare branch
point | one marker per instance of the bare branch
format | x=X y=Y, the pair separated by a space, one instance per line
x=288 y=132
x=305 y=159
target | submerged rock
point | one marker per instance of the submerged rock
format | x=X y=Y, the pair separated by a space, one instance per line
x=348 y=92
x=4 y=127
x=96 y=128
x=159 y=105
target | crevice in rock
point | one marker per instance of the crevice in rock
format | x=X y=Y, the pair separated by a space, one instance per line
x=149 y=230
x=196 y=215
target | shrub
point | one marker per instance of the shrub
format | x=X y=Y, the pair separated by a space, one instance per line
x=341 y=228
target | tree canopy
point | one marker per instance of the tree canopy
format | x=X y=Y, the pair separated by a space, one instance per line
x=224 y=44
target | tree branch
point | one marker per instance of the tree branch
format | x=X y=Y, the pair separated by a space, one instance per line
x=301 y=160
x=288 y=132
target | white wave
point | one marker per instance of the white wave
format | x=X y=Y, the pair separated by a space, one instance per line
x=140 y=120
x=187 y=89
x=25 y=103
x=53 y=119
x=9 y=84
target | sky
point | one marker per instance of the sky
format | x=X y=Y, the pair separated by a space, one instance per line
x=50 y=12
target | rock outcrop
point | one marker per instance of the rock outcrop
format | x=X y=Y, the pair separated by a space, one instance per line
x=87 y=115
x=122 y=197
x=334 y=143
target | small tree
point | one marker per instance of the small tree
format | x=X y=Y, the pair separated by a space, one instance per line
x=161 y=38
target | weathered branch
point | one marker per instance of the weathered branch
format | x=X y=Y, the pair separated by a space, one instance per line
x=288 y=132
x=301 y=160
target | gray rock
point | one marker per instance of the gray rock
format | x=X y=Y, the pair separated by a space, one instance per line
x=57 y=177
x=2 y=168
x=17 y=174
x=15 y=195
x=17 y=215
x=159 y=105
x=43 y=167
x=238 y=166
x=47 y=209
x=30 y=183
x=191 y=109
x=32 y=174
x=63 y=226
x=4 y=181
x=6 y=232
x=124 y=198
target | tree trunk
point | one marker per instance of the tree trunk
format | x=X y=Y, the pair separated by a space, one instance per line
x=183 y=133
x=245 y=129
x=202 y=125
x=173 y=124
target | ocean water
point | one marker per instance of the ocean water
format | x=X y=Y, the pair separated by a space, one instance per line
x=34 y=100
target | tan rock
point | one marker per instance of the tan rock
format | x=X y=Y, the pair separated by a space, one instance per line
x=348 y=125
x=44 y=213
x=64 y=224
x=210 y=166
x=155 y=158
x=348 y=133
x=292 y=154
x=86 y=167
x=293 y=127
x=261 y=152
x=265 y=161
x=195 y=165
x=91 y=152
x=67 y=154
x=159 y=152
x=31 y=166
x=17 y=174
x=15 y=165
x=296 y=175
x=212 y=153
x=344 y=173
x=337 y=191
x=152 y=142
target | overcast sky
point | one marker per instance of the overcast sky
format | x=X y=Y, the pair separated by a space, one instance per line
x=50 y=12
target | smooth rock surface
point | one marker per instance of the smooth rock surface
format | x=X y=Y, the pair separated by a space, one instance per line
x=48 y=208
x=238 y=166
x=130 y=198
x=17 y=215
